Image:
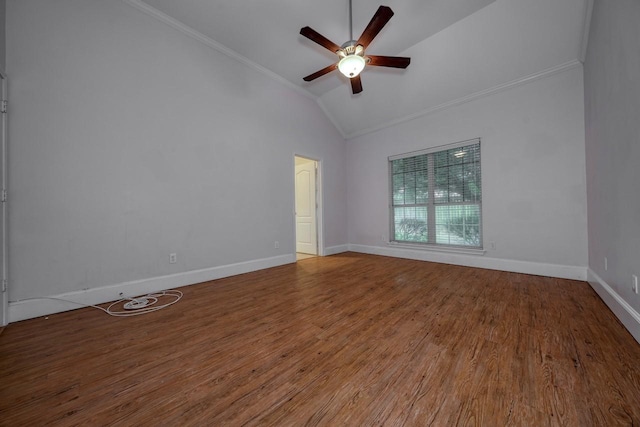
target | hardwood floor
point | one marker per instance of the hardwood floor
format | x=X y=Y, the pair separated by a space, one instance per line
x=350 y=339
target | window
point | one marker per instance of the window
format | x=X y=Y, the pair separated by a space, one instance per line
x=436 y=196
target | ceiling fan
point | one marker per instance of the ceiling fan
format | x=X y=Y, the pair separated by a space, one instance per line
x=352 y=58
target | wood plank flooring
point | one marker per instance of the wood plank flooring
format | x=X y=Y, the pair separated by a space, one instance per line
x=350 y=339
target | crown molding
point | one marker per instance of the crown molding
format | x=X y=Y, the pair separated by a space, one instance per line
x=196 y=35
x=586 y=26
x=209 y=42
x=477 y=95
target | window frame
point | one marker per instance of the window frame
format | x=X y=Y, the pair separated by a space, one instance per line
x=431 y=203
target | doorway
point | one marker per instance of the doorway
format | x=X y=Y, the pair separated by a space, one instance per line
x=306 y=207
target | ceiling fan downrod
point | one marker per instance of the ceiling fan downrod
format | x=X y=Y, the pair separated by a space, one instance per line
x=350 y=21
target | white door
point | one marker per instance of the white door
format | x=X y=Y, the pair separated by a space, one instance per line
x=306 y=232
x=3 y=209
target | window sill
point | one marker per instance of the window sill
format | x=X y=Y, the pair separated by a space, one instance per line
x=432 y=248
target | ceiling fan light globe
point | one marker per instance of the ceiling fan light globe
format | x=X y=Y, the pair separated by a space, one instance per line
x=351 y=65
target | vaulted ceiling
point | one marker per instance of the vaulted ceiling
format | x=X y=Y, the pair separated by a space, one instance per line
x=459 y=49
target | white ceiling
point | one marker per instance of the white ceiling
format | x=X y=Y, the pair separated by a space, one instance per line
x=458 y=48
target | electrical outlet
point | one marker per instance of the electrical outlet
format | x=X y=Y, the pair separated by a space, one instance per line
x=276 y=245
x=492 y=245
x=173 y=258
x=606 y=264
x=634 y=283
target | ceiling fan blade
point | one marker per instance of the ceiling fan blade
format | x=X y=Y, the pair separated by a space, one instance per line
x=389 y=61
x=379 y=20
x=356 y=84
x=320 y=73
x=315 y=36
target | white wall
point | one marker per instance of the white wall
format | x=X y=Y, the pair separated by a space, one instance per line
x=130 y=140
x=533 y=176
x=612 y=110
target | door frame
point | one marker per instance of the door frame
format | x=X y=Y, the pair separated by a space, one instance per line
x=4 y=276
x=319 y=201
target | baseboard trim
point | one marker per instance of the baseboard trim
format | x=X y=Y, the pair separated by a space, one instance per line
x=526 y=267
x=333 y=250
x=36 y=307
x=627 y=315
